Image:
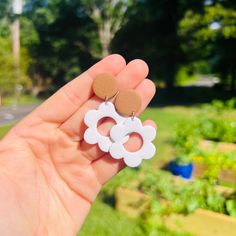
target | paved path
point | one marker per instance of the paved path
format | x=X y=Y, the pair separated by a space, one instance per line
x=11 y=115
x=204 y=82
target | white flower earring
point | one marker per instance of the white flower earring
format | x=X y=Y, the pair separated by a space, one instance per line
x=127 y=104
x=131 y=125
x=105 y=87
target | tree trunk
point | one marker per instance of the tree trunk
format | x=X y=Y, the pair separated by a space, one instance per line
x=105 y=36
x=15 y=28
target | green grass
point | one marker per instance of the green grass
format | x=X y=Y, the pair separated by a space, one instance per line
x=23 y=100
x=104 y=221
x=4 y=130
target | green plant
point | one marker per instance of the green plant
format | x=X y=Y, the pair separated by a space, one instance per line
x=4 y=130
x=171 y=196
x=231 y=207
x=185 y=141
x=215 y=161
x=174 y=196
x=185 y=75
x=7 y=73
x=217 y=121
x=152 y=226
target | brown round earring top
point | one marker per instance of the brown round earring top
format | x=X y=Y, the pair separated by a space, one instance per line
x=128 y=102
x=105 y=86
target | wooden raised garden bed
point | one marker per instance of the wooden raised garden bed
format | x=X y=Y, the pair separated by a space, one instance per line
x=203 y=223
x=200 y=223
x=132 y=203
x=226 y=175
x=220 y=146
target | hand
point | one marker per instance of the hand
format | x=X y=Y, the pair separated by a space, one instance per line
x=49 y=176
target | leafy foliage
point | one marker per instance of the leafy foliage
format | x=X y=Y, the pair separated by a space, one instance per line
x=215 y=161
x=215 y=122
x=175 y=37
x=231 y=206
x=183 y=197
x=7 y=76
x=210 y=34
x=185 y=141
x=218 y=121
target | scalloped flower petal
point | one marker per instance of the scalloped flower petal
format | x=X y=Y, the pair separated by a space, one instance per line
x=91 y=135
x=89 y=118
x=132 y=162
x=149 y=132
x=132 y=125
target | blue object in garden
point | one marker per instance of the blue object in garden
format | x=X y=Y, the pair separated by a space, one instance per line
x=182 y=170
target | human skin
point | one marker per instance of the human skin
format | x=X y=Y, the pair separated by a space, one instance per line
x=49 y=176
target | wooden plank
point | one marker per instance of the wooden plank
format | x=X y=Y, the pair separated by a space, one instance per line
x=131 y=203
x=203 y=223
x=220 y=146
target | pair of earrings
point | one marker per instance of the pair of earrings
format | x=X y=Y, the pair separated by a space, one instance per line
x=126 y=104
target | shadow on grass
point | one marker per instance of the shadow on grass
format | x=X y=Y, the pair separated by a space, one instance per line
x=109 y=200
x=189 y=95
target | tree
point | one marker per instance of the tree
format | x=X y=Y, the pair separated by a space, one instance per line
x=61 y=40
x=7 y=76
x=211 y=35
x=109 y=16
x=152 y=33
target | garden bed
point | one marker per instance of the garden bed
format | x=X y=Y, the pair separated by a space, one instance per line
x=217 y=160
x=202 y=222
x=225 y=175
x=130 y=202
x=220 y=146
x=134 y=203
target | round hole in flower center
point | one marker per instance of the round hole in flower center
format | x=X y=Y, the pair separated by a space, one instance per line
x=134 y=143
x=104 y=125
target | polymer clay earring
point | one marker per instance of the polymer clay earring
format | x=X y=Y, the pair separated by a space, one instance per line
x=128 y=103
x=104 y=87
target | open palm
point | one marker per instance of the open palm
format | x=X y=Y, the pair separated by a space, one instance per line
x=48 y=175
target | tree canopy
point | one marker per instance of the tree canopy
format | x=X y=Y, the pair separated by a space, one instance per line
x=62 y=38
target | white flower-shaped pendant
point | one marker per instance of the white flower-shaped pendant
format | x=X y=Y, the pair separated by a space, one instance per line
x=119 y=134
x=132 y=125
x=91 y=119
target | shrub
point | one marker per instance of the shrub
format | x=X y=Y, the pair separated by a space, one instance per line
x=185 y=141
x=7 y=76
x=217 y=121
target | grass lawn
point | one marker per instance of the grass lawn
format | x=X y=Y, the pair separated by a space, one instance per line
x=4 y=129
x=24 y=100
x=103 y=219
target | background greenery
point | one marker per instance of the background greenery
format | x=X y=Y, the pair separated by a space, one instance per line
x=177 y=38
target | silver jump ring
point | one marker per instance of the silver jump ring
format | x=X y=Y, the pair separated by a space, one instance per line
x=132 y=116
x=106 y=99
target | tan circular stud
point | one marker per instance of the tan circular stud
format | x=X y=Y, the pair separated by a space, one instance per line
x=105 y=86
x=128 y=102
